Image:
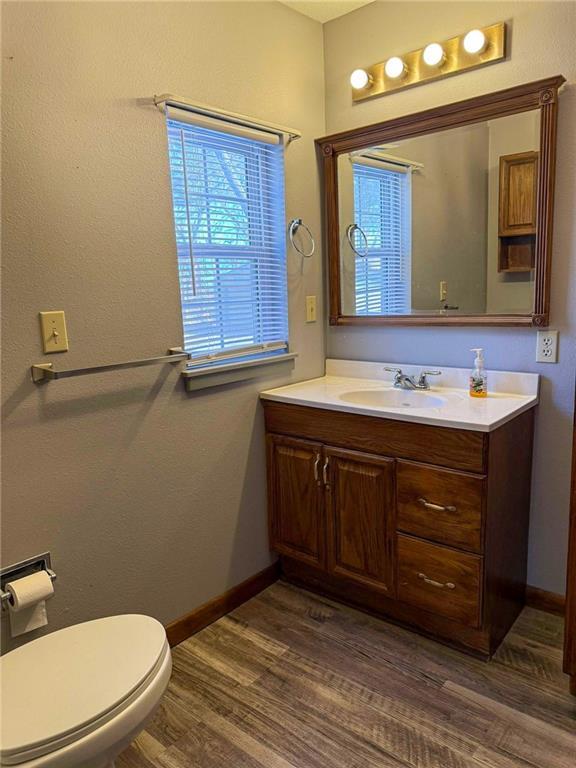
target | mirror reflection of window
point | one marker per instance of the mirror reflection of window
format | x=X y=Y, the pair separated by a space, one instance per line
x=442 y=223
x=382 y=215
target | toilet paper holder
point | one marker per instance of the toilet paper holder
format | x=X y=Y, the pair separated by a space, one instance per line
x=21 y=569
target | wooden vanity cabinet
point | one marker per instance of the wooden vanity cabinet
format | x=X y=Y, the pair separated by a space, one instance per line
x=332 y=508
x=297 y=519
x=360 y=518
x=424 y=525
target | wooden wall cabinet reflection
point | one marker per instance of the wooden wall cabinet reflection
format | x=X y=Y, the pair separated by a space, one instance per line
x=518 y=191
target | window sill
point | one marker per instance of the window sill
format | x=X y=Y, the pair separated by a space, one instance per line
x=215 y=376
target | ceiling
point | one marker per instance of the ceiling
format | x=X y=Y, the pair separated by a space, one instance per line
x=324 y=10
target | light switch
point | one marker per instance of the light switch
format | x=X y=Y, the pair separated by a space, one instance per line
x=310 y=309
x=54 y=336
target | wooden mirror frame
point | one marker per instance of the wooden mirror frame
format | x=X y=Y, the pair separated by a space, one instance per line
x=542 y=95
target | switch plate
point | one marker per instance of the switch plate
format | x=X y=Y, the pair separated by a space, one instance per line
x=54 y=335
x=443 y=290
x=310 y=309
x=547 y=347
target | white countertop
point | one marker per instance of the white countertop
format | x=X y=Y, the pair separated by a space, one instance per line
x=351 y=385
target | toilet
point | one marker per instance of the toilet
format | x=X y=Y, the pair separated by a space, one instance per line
x=77 y=697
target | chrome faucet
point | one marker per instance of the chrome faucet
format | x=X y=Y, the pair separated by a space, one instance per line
x=402 y=381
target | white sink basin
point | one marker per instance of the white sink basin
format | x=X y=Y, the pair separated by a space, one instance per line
x=392 y=398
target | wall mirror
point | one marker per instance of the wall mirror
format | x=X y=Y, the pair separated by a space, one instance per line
x=445 y=216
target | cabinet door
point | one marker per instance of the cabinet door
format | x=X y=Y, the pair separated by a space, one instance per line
x=518 y=181
x=296 y=508
x=361 y=518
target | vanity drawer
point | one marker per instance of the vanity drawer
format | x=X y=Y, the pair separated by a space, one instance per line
x=440 y=580
x=440 y=504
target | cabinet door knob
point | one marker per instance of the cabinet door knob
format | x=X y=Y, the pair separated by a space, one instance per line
x=433 y=583
x=435 y=507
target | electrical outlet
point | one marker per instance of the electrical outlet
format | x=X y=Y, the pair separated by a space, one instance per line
x=310 y=309
x=443 y=290
x=547 y=347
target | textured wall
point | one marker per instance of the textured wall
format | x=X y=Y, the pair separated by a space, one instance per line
x=449 y=202
x=149 y=499
x=542 y=44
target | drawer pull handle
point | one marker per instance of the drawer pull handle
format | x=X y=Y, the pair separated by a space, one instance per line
x=432 y=582
x=325 y=472
x=435 y=507
x=316 y=465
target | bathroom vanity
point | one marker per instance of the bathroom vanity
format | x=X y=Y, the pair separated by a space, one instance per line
x=411 y=505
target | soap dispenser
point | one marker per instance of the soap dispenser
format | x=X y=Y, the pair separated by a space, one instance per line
x=478 y=377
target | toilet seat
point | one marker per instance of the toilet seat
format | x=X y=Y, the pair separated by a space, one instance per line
x=60 y=688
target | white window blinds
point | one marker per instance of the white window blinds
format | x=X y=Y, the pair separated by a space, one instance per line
x=382 y=211
x=228 y=202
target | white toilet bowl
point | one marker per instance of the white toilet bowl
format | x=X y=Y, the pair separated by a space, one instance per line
x=77 y=697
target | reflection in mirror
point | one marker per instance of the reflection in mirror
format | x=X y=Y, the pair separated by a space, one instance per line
x=443 y=223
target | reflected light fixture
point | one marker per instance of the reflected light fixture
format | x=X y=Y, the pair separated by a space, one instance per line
x=433 y=55
x=475 y=41
x=395 y=67
x=359 y=79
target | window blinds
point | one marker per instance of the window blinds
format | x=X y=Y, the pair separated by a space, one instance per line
x=382 y=211
x=228 y=203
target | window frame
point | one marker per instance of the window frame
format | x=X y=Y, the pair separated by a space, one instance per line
x=364 y=166
x=261 y=181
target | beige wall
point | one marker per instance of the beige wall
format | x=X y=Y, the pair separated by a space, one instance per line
x=149 y=499
x=346 y=217
x=542 y=44
x=449 y=217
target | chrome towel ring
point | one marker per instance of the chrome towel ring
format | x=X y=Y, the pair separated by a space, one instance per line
x=295 y=224
x=350 y=230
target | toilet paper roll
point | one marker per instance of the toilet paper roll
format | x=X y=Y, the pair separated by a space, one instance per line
x=28 y=602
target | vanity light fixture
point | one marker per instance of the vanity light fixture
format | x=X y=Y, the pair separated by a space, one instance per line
x=475 y=48
x=433 y=55
x=395 y=68
x=359 y=79
x=475 y=41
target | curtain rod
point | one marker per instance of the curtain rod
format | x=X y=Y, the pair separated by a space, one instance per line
x=231 y=117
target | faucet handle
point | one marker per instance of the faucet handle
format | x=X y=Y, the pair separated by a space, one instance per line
x=397 y=371
x=422 y=380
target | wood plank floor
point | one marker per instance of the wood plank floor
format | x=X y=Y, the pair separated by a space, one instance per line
x=292 y=680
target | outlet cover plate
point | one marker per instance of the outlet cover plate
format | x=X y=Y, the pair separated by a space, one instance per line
x=547 y=347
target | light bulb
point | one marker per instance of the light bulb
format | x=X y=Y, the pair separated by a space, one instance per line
x=433 y=55
x=359 y=79
x=475 y=41
x=395 y=67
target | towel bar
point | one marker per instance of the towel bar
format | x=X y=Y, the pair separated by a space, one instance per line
x=44 y=372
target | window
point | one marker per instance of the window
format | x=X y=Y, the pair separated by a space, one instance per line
x=228 y=202
x=382 y=211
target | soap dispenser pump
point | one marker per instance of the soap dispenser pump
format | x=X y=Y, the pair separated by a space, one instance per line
x=478 y=377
